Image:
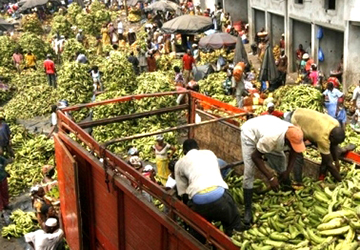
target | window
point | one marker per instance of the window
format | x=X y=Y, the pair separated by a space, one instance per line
x=299 y=1
x=330 y=4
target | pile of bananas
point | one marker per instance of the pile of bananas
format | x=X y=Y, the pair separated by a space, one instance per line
x=318 y=217
x=23 y=223
x=30 y=102
x=86 y=22
x=62 y=26
x=351 y=137
x=118 y=73
x=96 y=6
x=134 y=15
x=101 y=17
x=347 y=102
x=213 y=87
x=31 y=23
x=276 y=52
x=212 y=57
x=32 y=42
x=71 y=47
x=30 y=155
x=168 y=62
x=29 y=78
x=7 y=48
x=288 y=98
x=72 y=11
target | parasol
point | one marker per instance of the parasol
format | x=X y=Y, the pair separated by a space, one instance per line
x=188 y=25
x=217 y=41
x=28 y=4
x=5 y=26
x=240 y=53
x=163 y=5
x=268 y=70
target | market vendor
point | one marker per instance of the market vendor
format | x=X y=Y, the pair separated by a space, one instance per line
x=5 y=138
x=271 y=111
x=324 y=131
x=161 y=149
x=188 y=63
x=30 y=60
x=200 y=184
x=332 y=98
x=268 y=136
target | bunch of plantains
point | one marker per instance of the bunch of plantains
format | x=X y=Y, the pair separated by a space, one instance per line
x=23 y=223
x=320 y=216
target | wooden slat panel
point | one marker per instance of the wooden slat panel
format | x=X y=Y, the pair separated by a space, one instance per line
x=69 y=199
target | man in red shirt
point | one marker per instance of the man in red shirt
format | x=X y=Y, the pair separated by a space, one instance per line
x=271 y=111
x=50 y=70
x=188 y=61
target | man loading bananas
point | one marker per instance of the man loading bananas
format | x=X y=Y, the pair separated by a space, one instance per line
x=267 y=136
x=324 y=131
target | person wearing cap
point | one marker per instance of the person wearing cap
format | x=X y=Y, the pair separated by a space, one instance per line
x=80 y=36
x=162 y=157
x=30 y=60
x=324 y=131
x=268 y=136
x=131 y=36
x=133 y=158
x=332 y=98
x=282 y=65
x=4 y=189
x=50 y=71
x=48 y=238
x=282 y=41
x=5 y=138
x=105 y=35
x=271 y=111
x=202 y=188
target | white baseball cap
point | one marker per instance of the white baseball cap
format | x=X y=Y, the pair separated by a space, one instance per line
x=51 y=222
x=270 y=104
x=148 y=168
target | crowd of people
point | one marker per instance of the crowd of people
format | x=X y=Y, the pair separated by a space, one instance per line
x=196 y=177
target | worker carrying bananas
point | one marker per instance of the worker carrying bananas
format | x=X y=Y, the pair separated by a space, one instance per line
x=202 y=188
x=324 y=131
x=268 y=136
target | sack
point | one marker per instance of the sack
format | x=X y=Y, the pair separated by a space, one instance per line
x=221 y=61
x=238 y=71
x=320 y=33
x=321 y=55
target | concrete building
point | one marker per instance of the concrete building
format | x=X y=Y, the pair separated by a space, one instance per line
x=301 y=21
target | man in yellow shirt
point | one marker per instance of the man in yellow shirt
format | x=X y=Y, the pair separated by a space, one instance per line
x=30 y=60
x=324 y=131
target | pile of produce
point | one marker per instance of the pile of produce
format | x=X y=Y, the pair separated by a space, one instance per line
x=347 y=102
x=30 y=102
x=288 y=98
x=101 y=17
x=29 y=78
x=168 y=62
x=31 y=23
x=72 y=11
x=352 y=137
x=86 y=23
x=320 y=216
x=276 y=52
x=212 y=57
x=213 y=87
x=118 y=73
x=96 y=6
x=60 y=25
x=7 y=49
x=30 y=156
x=71 y=47
x=32 y=42
x=134 y=15
x=22 y=223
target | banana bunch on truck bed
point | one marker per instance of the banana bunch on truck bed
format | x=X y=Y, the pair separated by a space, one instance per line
x=320 y=216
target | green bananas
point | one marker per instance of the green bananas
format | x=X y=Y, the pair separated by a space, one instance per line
x=23 y=223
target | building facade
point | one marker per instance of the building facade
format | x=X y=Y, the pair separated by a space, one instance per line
x=300 y=21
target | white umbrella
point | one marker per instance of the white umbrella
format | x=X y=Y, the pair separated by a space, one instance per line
x=163 y=5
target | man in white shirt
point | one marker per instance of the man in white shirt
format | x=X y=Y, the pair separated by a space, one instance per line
x=198 y=176
x=267 y=135
x=120 y=28
x=45 y=239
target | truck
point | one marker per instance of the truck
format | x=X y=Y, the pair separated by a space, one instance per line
x=100 y=206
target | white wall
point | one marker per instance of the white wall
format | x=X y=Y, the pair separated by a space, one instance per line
x=351 y=12
x=277 y=28
x=238 y=9
x=351 y=55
